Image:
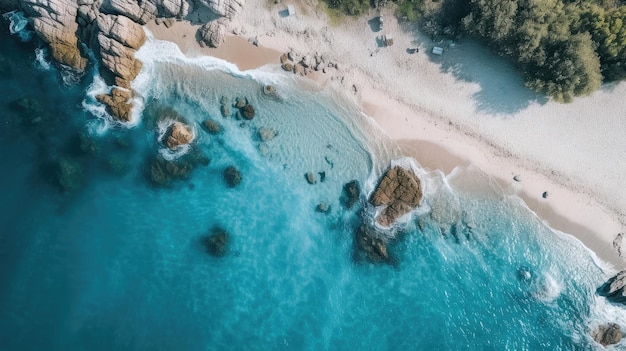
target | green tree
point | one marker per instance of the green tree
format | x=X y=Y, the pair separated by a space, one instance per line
x=572 y=69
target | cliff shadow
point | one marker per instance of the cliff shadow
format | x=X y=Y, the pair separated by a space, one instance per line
x=501 y=84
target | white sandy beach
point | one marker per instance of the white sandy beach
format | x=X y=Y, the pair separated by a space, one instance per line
x=464 y=107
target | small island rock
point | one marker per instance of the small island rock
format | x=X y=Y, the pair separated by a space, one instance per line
x=178 y=134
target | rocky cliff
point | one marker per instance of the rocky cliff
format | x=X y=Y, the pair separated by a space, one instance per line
x=112 y=31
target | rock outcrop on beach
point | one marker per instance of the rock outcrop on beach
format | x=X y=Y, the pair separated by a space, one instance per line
x=212 y=33
x=607 y=334
x=613 y=289
x=399 y=191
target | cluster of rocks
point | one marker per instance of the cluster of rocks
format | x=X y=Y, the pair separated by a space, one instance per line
x=399 y=191
x=244 y=109
x=312 y=179
x=303 y=64
x=112 y=31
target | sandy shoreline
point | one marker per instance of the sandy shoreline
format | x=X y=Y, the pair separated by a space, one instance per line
x=430 y=127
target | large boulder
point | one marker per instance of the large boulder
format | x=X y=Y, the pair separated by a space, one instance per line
x=224 y=8
x=174 y=8
x=607 y=334
x=177 y=135
x=139 y=11
x=399 y=190
x=613 y=289
x=118 y=103
x=54 y=21
x=212 y=33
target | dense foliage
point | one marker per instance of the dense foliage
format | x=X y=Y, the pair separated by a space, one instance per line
x=565 y=48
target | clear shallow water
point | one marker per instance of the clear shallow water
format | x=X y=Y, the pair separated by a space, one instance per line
x=116 y=264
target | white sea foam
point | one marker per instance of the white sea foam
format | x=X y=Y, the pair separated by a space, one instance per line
x=548 y=287
x=17 y=25
x=40 y=59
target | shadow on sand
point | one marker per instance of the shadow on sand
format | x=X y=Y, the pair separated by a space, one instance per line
x=502 y=90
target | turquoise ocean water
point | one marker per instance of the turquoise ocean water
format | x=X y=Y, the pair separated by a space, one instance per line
x=115 y=263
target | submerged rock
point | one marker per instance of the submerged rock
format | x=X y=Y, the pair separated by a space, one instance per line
x=351 y=193
x=240 y=102
x=216 y=243
x=266 y=134
x=212 y=126
x=322 y=207
x=232 y=176
x=117 y=164
x=162 y=172
x=178 y=134
x=69 y=174
x=607 y=334
x=400 y=191
x=369 y=246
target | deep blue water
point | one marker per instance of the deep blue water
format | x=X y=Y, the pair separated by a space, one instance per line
x=115 y=263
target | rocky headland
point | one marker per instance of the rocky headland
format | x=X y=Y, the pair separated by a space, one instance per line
x=110 y=32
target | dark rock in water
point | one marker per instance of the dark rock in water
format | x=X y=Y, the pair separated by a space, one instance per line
x=117 y=164
x=69 y=174
x=400 y=191
x=322 y=176
x=607 y=334
x=352 y=192
x=517 y=178
x=322 y=207
x=248 y=111
x=162 y=172
x=225 y=111
x=88 y=144
x=369 y=246
x=613 y=289
x=212 y=126
x=216 y=243
x=310 y=178
x=30 y=110
x=544 y=195
x=232 y=176
x=240 y=102
x=224 y=100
